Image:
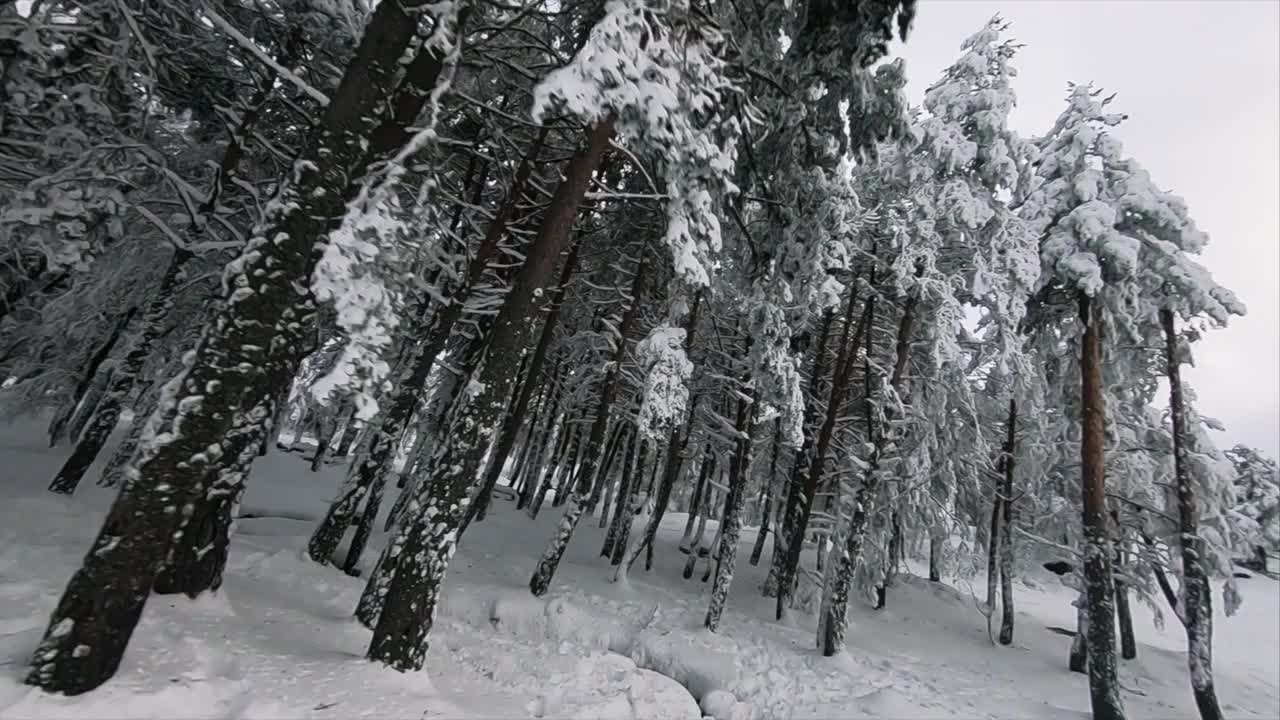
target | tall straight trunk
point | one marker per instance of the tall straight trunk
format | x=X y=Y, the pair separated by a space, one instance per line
x=731 y=518
x=1104 y=683
x=604 y=482
x=767 y=510
x=58 y=426
x=793 y=508
x=541 y=444
x=1124 y=616
x=632 y=467
x=893 y=555
x=551 y=464
x=602 y=475
x=422 y=548
x=1078 y=660
x=91 y=402
x=546 y=568
x=802 y=507
x=444 y=401
x=833 y=624
x=567 y=472
x=699 y=490
x=364 y=528
x=326 y=428
x=390 y=428
x=1006 y=526
x=627 y=506
x=252 y=346
x=1197 y=597
x=515 y=415
x=993 y=559
x=935 y=557
x=104 y=420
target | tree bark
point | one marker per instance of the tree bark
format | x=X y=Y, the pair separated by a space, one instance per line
x=758 y=549
x=1197 y=596
x=731 y=519
x=57 y=427
x=1006 y=526
x=1104 y=683
x=421 y=550
x=850 y=342
x=251 y=347
x=632 y=467
x=515 y=416
x=540 y=582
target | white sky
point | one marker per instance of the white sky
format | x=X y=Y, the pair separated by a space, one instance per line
x=1200 y=81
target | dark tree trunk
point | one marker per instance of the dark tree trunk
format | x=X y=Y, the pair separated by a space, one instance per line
x=695 y=501
x=515 y=415
x=90 y=403
x=632 y=466
x=1006 y=526
x=1124 y=617
x=993 y=558
x=372 y=504
x=326 y=428
x=935 y=552
x=1104 y=683
x=605 y=487
x=388 y=431
x=731 y=518
x=251 y=347
x=421 y=551
x=1197 y=596
x=108 y=413
x=802 y=508
x=58 y=426
x=539 y=453
x=1078 y=660
x=540 y=582
x=758 y=549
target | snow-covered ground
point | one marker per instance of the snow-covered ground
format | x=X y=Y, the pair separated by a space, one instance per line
x=278 y=642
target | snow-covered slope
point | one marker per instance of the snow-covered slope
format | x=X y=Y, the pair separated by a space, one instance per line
x=277 y=641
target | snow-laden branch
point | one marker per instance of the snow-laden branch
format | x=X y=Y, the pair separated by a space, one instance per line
x=284 y=72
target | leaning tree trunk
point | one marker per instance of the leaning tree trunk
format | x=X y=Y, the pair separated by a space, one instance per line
x=1124 y=616
x=632 y=468
x=545 y=430
x=793 y=508
x=833 y=625
x=108 y=413
x=705 y=469
x=373 y=468
x=91 y=402
x=251 y=347
x=421 y=550
x=550 y=560
x=515 y=414
x=1197 y=597
x=801 y=509
x=758 y=549
x=1104 y=683
x=1006 y=527
x=731 y=519
x=58 y=426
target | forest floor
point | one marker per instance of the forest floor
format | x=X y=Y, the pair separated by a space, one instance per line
x=277 y=641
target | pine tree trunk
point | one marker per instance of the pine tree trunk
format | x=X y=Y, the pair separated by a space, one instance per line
x=833 y=625
x=540 y=582
x=1197 y=596
x=603 y=477
x=1006 y=525
x=390 y=428
x=758 y=549
x=802 y=508
x=935 y=557
x=90 y=404
x=421 y=550
x=326 y=428
x=108 y=412
x=257 y=333
x=372 y=504
x=1124 y=617
x=58 y=426
x=993 y=559
x=621 y=438
x=1078 y=661
x=1104 y=683
x=695 y=500
x=731 y=519
x=543 y=445
x=515 y=415
x=632 y=467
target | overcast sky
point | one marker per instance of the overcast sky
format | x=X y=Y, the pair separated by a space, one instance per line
x=1200 y=81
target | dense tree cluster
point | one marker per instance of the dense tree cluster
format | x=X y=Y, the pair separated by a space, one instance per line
x=628 y=257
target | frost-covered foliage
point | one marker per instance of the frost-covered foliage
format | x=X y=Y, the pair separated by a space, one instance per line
x=665 y=393
x=656 y=68
x=1257 y=494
